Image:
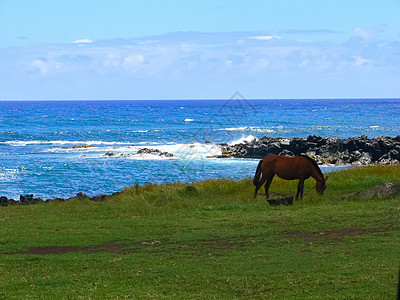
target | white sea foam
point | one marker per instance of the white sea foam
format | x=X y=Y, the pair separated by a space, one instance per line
x=242 y=140
x=147 y=143
x=189 y=120
x=92 y=149
x=24 y=143
x=132 y=156
x=8 y=174
x=149 y=157
x=185 y=151
x=375 y=127
x=249 y=128
x=179 y=151
x=234 y=129
x=47 y=168
x=192 y=150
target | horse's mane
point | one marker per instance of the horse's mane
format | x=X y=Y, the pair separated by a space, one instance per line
x=315 y=165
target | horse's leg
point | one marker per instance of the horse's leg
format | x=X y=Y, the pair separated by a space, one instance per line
x=268 y=184
x=300 y=189
x=259 y=185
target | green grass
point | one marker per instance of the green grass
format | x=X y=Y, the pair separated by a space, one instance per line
x=211 y=242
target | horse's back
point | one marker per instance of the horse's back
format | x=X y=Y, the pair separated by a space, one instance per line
x=286 y=167
x=271 y=158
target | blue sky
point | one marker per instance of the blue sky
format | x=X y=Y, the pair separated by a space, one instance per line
x=199 y=49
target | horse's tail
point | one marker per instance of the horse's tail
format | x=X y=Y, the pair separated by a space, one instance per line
x=256 y=178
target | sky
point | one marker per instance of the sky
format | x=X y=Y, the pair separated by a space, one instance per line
x=128 y=50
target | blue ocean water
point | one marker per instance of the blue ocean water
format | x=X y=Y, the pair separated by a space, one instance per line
x=36 y=138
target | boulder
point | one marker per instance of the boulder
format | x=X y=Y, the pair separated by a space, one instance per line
x=154 y=152
x=12 y=202
x=82 y=146
x=365 y=159
x=26 y=199
x=386 y=190
x=82 y=195
x=3 y=201
x=109 y=154
x=298 y=145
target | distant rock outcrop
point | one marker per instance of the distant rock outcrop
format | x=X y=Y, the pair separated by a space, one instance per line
x=141 y=152
x=154 y=152
x=330 y=150
x=82 y=146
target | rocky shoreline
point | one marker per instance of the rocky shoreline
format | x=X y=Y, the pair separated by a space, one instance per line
x=357 y=151
x=28 y=199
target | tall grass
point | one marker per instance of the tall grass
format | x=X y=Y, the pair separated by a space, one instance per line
x=166 y=198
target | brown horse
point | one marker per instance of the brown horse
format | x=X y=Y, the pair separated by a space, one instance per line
x=299 y=167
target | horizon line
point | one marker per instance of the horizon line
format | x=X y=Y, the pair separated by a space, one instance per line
x=202 y=99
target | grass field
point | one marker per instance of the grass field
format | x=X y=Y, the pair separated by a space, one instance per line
x=209 y=241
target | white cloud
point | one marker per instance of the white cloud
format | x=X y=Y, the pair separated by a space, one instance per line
x=208 y=59
x=39 y=65
x=361 y=62
x=113 y=60
x=369 y=33
x=264 y=37
x=147 y=42
x=83 y=41
x=228 y=63
x=190 y=57
x=133 y=61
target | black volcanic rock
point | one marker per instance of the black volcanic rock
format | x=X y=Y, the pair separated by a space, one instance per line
x=154 y=152
x=354 y=150
x=3 y=201
x=26 y=199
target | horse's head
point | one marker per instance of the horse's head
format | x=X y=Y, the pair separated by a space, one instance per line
x=321 y=185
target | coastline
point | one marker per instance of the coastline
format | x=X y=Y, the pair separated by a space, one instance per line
x=353 y=151
x=33 y=161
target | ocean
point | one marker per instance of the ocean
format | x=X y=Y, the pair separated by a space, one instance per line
x=37 y=139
